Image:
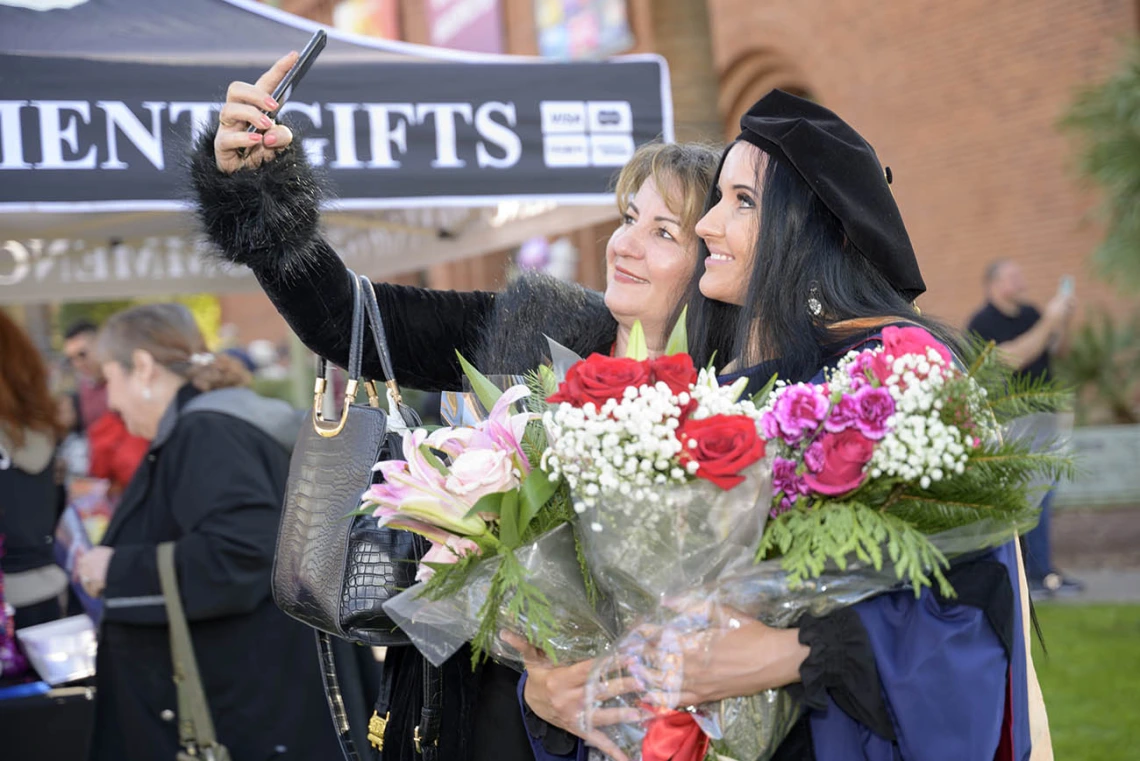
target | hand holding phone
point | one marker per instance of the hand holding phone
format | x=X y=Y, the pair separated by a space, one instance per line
x=247 y=134
x=1066 y=286
x=293 y=77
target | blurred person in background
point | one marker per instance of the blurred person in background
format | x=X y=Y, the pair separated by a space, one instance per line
x=1029 y=339
x=78 y=350
x=74 y=459
x=113 y=453
x=30 y=492
x=213 y=482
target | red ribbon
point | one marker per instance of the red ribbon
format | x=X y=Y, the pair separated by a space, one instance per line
x=674 y=736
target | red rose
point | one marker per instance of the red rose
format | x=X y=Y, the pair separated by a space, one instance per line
x=677 y=372
x=898 y=342
x=845 y=455
x=725 y=445
x=599 y=378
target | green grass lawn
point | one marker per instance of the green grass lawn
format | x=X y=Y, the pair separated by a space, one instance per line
x=1091 y=680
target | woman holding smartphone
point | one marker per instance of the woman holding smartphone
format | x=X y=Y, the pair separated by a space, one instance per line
x=259 y=203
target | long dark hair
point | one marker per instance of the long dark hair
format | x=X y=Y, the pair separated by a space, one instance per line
x=800 y=250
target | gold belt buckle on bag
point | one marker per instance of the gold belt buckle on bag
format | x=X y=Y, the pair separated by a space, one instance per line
x=376 y=728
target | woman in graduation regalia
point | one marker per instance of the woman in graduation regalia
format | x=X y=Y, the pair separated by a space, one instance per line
x=804 y=257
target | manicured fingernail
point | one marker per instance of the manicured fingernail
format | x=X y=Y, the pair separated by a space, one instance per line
x=266 y=122
x=270 y=103
x=270 y=139
x=255 y=137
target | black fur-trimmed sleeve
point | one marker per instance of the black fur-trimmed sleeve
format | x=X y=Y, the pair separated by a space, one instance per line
x=268 y=219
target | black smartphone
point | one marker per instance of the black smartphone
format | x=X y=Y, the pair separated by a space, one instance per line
x=284 y=90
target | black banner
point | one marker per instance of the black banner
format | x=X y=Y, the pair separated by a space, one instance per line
x=104 y=135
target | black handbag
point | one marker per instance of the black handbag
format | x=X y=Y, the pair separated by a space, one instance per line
x=335 y=572
x=331 y=571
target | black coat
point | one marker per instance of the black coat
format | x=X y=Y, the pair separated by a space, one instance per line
x=214 y=484
x=268 y=219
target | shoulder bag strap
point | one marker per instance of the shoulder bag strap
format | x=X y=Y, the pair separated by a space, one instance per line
x=195 y=727
x=334 y=697
x=355 y=354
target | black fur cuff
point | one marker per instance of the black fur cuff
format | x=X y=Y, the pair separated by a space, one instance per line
x=266 y=218
x=534 y=307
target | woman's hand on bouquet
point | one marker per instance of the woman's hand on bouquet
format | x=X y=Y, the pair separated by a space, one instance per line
x=234 y=147
x=734 y=656
x=557 y=694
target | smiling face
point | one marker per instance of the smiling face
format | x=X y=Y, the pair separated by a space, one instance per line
x=730 y=228
x=649 y=259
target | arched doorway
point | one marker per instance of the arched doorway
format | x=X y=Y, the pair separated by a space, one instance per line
x=750 y=77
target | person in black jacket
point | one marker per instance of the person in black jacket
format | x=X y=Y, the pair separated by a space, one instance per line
x=262 y=210
x=213 y=483
x=30 y=493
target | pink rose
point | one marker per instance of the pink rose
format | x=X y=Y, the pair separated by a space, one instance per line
x=901 y=341
x=444 y=554
x=845 y=456
x=799 y=410
x=874 y=406
x=898 y=342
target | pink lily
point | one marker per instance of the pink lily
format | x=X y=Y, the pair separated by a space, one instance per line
x=417 y=490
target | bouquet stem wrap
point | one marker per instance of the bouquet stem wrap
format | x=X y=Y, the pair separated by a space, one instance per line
x=643 y=549
x=439 y=627
x=752 y=727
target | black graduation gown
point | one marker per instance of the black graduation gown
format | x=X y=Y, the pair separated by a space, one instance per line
x=214 y=484
x=268 y=219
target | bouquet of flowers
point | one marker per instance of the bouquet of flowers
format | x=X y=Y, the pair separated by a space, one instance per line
x=668 y=473
x=501 y=555
x=891 y=466
x=897 y=444
x=671 y=481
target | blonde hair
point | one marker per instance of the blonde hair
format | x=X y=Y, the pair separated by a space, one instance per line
x=682 y=172
x=169 y=333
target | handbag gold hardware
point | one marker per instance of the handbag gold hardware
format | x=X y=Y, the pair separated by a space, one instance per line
x=319 y=425
x=376 y=728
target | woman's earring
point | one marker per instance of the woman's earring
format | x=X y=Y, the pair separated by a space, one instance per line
x=815 y=308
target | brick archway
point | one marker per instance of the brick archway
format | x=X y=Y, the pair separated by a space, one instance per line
x=750 y=77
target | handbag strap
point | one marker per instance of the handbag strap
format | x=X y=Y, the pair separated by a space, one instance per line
x=195 y=727
x=334 y=697
x=380 y=338
x=355 y=355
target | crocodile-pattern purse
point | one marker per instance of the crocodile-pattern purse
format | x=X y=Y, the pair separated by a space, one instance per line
x=332 y=571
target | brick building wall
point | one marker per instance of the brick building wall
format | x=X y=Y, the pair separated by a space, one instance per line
x=961 y=100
